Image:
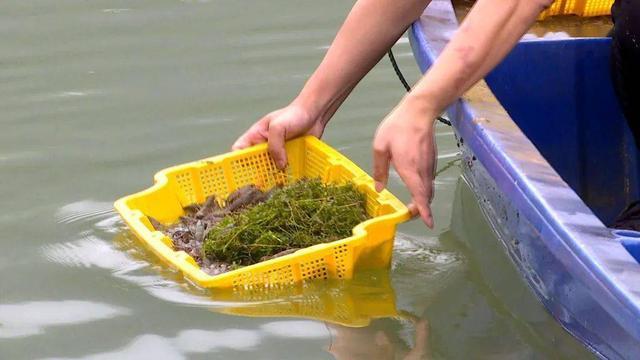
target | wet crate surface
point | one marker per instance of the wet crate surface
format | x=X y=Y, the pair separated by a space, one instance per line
x=369 y=247
x=578 y=7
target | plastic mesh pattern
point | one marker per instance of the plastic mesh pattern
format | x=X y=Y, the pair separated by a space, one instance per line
x=213 y=181
x=315 y=307
x=315 y=165
x=186 y=191
x=343 y=311
x=341 y=254
x=578 y=7
x=597 y=7
x=275 y=276
x=314 y=269
x=258 y=169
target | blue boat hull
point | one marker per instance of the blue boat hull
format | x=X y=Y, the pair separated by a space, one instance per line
x=550 y=163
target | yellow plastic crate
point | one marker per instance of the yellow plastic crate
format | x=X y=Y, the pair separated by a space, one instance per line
x=578 y=7
x=369 y=247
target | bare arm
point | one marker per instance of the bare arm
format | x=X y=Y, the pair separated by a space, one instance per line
x=370 y=29
x=485 y=37
x=406 y=136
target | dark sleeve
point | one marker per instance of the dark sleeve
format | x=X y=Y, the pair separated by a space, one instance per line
x=625 y=60
x=626 y=20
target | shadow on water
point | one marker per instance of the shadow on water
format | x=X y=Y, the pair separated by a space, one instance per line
x=359 y=317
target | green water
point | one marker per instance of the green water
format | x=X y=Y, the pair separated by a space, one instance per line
x=96 y=96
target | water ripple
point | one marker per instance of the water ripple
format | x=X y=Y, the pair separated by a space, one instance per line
x=296 y=329
x=150 y=346
x=425 y=249
x=31 y=318
x=84 y=210
x=115 y=10
x=88 y=252
x=127 y=264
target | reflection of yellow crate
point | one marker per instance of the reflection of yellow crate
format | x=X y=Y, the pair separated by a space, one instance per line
x=578 y=7
x=370 y=245
x=353 y=303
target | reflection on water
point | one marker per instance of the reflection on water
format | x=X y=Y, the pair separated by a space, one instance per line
x=295 y=329
x=355 y=318
x=532 y=331
x=382 y=340
x=181 y=346
x=126 y=260
x=32 y=318
x=353 y=303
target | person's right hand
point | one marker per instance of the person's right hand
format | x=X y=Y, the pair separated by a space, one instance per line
x=279 y=126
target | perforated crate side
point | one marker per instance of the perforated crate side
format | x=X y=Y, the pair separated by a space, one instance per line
x=314 y=268
x=186 y=187
x=258 y=169
x=316 y=164
x=342 y=258
x=578 y=7
x=597 y=7
x=213 y=181
x=256 y=278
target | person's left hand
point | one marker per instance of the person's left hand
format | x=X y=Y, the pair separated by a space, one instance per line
x=405 y=138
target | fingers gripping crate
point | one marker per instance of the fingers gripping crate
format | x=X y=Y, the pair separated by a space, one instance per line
x=370 y=246
x=578 y=7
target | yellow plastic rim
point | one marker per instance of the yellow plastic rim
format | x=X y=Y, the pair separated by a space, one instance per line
x=369 y=247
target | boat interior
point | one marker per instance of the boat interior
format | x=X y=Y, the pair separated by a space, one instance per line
x=561 y=95
x=556 y=85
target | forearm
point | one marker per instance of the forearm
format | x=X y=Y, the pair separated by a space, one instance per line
x=370 y=29
x=485 y=37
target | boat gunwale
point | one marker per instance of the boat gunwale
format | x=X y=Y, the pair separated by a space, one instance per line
x=492 y=136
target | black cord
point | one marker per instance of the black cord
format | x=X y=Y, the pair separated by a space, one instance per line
x=396 y=68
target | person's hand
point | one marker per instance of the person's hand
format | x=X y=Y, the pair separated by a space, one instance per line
x=405 y=138
x=279 y=126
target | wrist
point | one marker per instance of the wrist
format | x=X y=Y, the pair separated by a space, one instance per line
x=309 y=103
x=422 y=107
x=319 y=101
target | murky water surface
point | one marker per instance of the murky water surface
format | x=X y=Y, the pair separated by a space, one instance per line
x=96 y=96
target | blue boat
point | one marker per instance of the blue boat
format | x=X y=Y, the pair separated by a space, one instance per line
x=551 y=161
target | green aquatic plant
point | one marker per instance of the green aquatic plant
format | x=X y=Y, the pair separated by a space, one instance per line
x=294 y=216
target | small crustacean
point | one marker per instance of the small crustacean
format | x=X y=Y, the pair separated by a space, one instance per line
x=156 y=224
x=181 y=237
x=200 y=231
x=214 y=267
x=191 y=209
x=243 y=197
x=190 y=232
x=210 y=206
x=281 y=253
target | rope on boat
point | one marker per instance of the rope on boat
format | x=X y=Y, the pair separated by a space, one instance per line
x=396 y=68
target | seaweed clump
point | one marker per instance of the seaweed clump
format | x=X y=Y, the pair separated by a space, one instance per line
x=295 y=216
x=252 y=225
x=189 y=233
